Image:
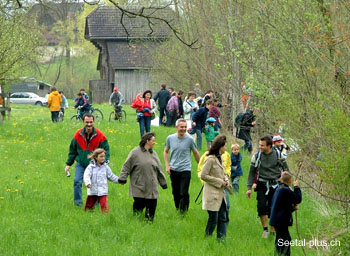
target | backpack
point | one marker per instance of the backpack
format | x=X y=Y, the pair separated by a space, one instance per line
x=258 y=157
x=239 y=120
x=258 y=162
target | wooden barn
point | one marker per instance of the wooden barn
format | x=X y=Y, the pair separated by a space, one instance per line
x=126 y=46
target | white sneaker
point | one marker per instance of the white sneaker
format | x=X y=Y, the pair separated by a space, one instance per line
x=265 y=234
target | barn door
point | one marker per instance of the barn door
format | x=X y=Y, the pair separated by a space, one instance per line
x=131 y=82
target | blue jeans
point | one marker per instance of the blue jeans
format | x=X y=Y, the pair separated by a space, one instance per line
x=54 y=116
x=235 y=183
x=227 y=201
x=199 y=139
x=145 y=123
x=248 y=146
x=118 y=109
x=218 y=219
x=78 y=180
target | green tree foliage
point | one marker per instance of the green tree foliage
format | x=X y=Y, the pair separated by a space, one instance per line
x=18 y=45
x=76 y=64
x=212 y=63
x=293 y=56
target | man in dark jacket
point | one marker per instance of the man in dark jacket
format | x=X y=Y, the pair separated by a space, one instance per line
x=265 y=172
x=85 y=141
x=199 y=118
x=284 y=202
x=247 y=123
x=181 y=107
x=163 y=96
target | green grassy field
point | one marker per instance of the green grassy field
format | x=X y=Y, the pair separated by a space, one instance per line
x=38 y=216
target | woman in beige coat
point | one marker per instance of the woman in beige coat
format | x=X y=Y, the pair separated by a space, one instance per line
x=214 y=200
x=146 y=173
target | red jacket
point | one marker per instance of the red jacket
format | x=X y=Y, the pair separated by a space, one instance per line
x=79 y=149
x=137 y=103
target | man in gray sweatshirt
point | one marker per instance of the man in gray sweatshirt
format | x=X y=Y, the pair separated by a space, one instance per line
x=264 y=174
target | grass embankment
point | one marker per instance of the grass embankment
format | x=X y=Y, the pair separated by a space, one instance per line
x=38 y=216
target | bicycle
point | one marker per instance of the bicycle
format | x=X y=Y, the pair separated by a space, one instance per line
x=60 y=116
x=115 y=115
x=94 y=111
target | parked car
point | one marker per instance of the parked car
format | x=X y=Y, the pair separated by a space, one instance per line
x=27 y=98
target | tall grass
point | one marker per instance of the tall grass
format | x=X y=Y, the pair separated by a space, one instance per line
x=38 y=216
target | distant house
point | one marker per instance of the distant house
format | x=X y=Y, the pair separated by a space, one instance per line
x=124 y=59
x=26 y=84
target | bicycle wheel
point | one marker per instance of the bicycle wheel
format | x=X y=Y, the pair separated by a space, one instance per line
x=112 y=117
x=98 y=114
x=60 y=116
x=75 y=118
x=122 y=117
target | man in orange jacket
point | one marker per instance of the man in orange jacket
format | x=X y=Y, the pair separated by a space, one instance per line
x=54 y=101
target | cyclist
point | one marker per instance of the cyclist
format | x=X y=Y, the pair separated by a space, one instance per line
x=84 y=94
x=82 y=104
x=116 y=99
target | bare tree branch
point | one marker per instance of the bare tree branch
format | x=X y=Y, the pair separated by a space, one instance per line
x=19 y=3
x=131 y=14
x=150 y=18
x=59 y=70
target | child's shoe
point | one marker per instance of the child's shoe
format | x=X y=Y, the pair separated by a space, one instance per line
x=265 y=234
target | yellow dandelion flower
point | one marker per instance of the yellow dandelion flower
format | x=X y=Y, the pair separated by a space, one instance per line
x=16 y=190
x=44 y=160
x=2 y=198
x=22 y=182
x=8 y=190
x=35 y=190
x=14 y=124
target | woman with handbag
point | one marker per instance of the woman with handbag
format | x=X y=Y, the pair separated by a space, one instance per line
x=215 y=181
x=146 y=108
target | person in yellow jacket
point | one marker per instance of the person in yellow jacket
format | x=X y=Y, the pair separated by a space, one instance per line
x=54 y=102
x=226 y=159
x=226 y=162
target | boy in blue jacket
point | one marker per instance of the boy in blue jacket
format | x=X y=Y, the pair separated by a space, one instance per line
x=284 y=202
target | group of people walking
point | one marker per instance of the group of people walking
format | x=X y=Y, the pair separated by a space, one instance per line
x=202 y=114
x=143 y=166
x=219 y=171
x=145 y=172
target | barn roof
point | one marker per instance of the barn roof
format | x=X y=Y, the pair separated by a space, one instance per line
x=133 y=55
x=105 y=23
